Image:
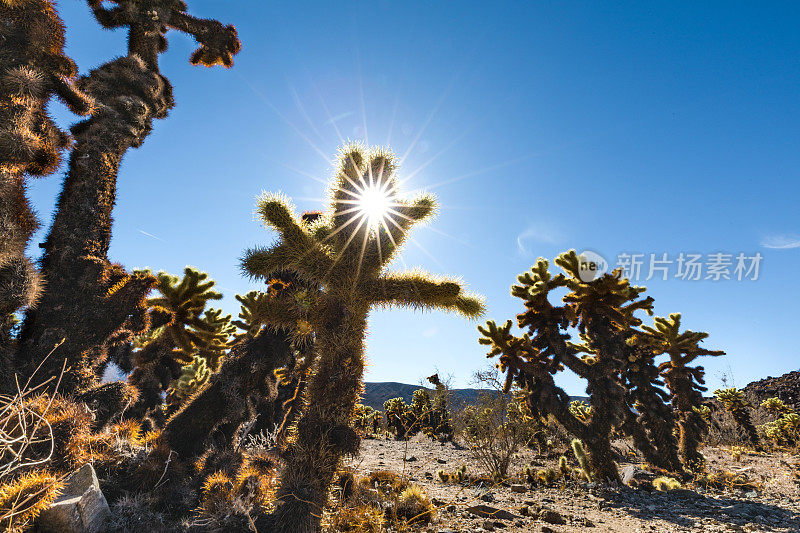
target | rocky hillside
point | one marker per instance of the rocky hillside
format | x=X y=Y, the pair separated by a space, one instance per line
x=377 y=393
x=785 y=387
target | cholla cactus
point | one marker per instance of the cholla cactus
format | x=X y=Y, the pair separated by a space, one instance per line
x=214 y=337
x=23 y=499
x=776 y=405
x=684 y=382
x=345 y=253
x=737 y=405
x=400 y=418
x=183 y=332
x=366 y=420
x=88 y=300
x=193 y=377
x=581 y=410
x=785 y=431
x=249 y=321
x=602 y=310
x=653 y=426
x=33 y=69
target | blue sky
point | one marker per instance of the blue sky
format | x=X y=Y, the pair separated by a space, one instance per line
x=624 y=127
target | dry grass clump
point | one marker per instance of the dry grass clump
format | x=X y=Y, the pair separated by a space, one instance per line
x=726 y=480
x=355 y=519
x=133 y=514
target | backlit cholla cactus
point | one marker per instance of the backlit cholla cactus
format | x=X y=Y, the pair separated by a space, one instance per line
x=33 y=69
x=345 y=253
x=737 y=405
x=88 y=300
x=193 y=377
x=183 y=332
x=602 y=310
x=684 y=382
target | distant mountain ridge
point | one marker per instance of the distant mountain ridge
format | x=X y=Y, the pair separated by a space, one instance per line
x=375 y=393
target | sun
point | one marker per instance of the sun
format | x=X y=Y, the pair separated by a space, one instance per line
x=374 y=204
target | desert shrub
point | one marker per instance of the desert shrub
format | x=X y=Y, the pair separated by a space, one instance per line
x=725 y=480
x=494 y=431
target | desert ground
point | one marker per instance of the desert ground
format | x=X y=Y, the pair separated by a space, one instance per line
x=772 y=505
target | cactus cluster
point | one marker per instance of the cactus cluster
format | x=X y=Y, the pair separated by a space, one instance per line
x=613 y=353
x=785 y=430
x=367 y=420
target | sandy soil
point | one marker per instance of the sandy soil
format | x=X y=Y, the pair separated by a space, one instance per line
x=592 y=507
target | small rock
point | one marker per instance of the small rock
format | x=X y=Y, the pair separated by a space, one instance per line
x=633 y=475
x=487 y=511
x=441 y=461
x=546 y=529
x=486 y=497
x=81 y=508
x=519 y=488
x=410 y=459
x=488 y=525
x=751 y=494
x=587 y=523
x=551 y=517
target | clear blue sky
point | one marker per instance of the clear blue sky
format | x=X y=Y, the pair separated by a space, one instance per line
x=541 y=126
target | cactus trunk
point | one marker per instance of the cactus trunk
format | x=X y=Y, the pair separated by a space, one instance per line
x=324 y=432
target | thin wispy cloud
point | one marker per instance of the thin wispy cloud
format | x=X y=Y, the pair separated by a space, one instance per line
x=781 y=242
x=537 y=233
x=151 y=236
x=337 y=118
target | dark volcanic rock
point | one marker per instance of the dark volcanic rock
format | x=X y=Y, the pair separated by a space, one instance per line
x=785 y=387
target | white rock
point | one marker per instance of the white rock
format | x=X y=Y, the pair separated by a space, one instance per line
x=81 y=508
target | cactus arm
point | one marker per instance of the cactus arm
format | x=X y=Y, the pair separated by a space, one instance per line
x=420 y=291
x=312 y=265
x=218 y=42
